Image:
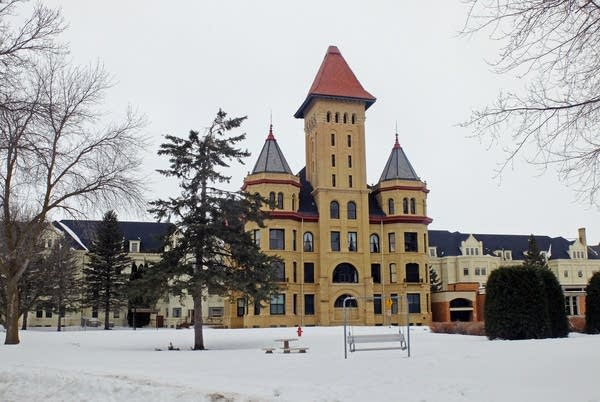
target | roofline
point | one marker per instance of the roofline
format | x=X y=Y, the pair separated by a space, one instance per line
x=269 y=181
x=425 y=220
x=420 y=188
x=300 y=113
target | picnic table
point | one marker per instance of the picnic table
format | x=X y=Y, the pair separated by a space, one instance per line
x=286 y=343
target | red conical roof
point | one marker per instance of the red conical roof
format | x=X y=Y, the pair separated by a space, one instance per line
x=335 y=79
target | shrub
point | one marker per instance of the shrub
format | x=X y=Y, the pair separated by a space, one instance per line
x=515 y=304
x=458 y=327
x=592 y=305
x=555 y=301
x=577 y=324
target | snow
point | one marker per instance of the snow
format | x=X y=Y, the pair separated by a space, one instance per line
x=122 y=364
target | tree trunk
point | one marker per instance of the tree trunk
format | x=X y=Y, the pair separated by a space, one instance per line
x=58 y=326
x=107 y=316
x=198 y=335
x=12 y=314
x=24 y=324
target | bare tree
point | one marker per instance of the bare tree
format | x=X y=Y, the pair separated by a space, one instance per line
x=54 y=153
x=555 y=120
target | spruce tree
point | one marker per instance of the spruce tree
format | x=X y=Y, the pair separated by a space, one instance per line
x=592 y=305
x=434 y=280
x=104 y=280
x=213 y=250
x=533 y=257
x=143 y=290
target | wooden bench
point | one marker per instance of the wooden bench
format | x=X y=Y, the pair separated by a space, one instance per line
x=300 y=349
x=377 y=338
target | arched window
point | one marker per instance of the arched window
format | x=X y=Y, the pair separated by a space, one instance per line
x=345 y=118
x=272 y=200
x=334 y=210
x=351 y=210
x=328 y=118
x=413 y=206
x=308 y=242
x=337 y=117
x=333 y=139
x=345 y=273
x=374 y=243
x=280 y=200
x=353 y=118
x=293 y=202
x=405 y=205
x=391 y=208
x=339 y=302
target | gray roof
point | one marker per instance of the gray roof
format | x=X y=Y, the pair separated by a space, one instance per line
x=271 y=159
x=398 y=166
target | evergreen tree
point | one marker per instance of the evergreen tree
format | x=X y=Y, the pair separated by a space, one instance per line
x=592 y=305
x=533 y=257
x=213 y=250
x=434 y=280
x=64 y=290
x=555 y=303
x=143 y=290
x=104 y=280
x=34 y=285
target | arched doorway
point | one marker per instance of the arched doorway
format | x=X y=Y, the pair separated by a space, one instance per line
x=461 y=310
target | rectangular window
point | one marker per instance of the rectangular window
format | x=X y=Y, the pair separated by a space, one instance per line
x=335 y=241
x=376 y=273
x=410 y=242
x=134 y=246
x=477 y=271
x=377 y=304
x=277 y=304
x=412 y=273
x=256 y=308
x=176 y=312
x=349 y=161
x=95 y=312
x=349 y=140
x=294 y=240
x=39 y=313
x=352 y=241
x=394 y=297
x=465 y=271
x=309 y=272
x=117 y=314
x=392 y=241
x=414 y=303
x=294 y=273
x=256 y=237
x=279 y=267
x=294 y=302
x=276 y=239
x=332 y=160
x=483 y=271
x=350 y=181
x=241 y=307
x=332 y=139
x=332 y=180
x=309 y=304
x=393 y=273
x=48 y=312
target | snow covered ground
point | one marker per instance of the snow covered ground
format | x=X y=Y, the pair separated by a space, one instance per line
x=122 y=365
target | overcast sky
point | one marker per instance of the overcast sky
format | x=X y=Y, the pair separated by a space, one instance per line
x=177 y=62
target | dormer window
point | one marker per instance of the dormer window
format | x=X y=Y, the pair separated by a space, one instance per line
x=507 y=255
x=134 y=246
x=433 y=251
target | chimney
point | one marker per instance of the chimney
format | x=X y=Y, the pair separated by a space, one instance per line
x=582 y=238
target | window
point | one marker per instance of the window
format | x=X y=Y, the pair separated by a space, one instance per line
x=580 y=274
x=349 y=137
x=48 y=312
x=376 y=273
x=349 y=161
x=405 y=205
x=412 y=273
x=432 y=251
x=241 y=307
x=414 y=303
x=308 y=242
x=116 y=314
x=483 y=271
x=410 y=242
x=351 y=209
x=571 y=305
x=280 y=200
x=332 y=160
x=95 y=312
x=277 y=305
x=339 y=302
x=333 y=139
x=256 y=237
x=279 y=268
x=309 y=304
x=374 y=243
x=337 y=117
x=294 y=303
x=332 y=180
x=134 y=246
x=294 y=240
x=413 y=206
x=294 y=273
x=39 y=313
x=276 y=239
x=353 y=118
x=377 y=304
x=293 y=202
x=350 y=181
x=345 y=273
x=176 y=312
x=335 y=241
x=566 y=274
x=393 y=273
x=345 y=118
x=391 y=209
x=272 y=200
x=477 y=271
x=465 y=271
x=392 y=241
x=352 y=241
x=309 y=272
x=257 y=308
x=328 y=118
x=334 y=210
x=394 y=298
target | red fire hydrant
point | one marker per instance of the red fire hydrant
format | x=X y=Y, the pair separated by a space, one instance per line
x=299 y=331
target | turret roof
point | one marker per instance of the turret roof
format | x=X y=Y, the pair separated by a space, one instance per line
x=335 y=79
x=271 y=159
x=398 y=166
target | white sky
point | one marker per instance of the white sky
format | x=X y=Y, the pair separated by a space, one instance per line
x=178 y=62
